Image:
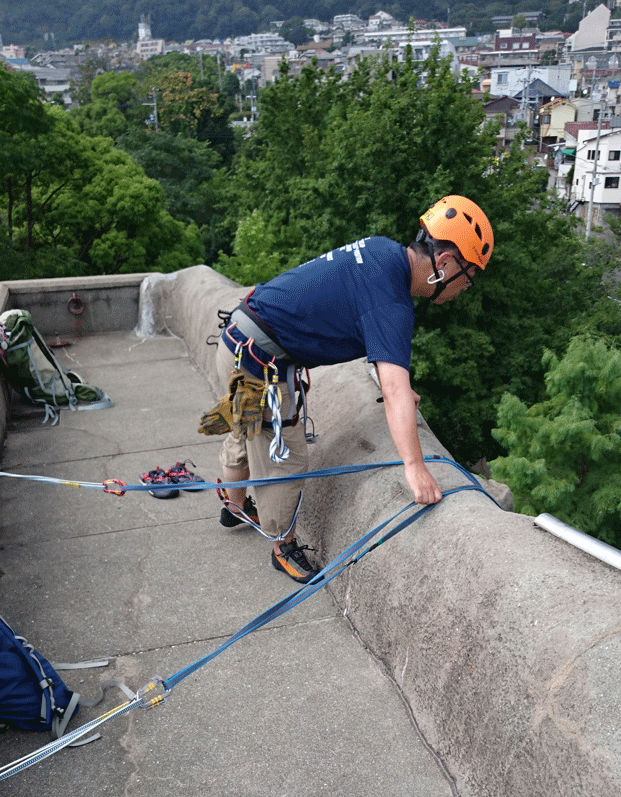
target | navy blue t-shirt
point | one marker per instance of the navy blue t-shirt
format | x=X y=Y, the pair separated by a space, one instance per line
x=348 y=303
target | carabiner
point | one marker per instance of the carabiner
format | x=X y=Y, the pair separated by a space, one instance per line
x=112 y=490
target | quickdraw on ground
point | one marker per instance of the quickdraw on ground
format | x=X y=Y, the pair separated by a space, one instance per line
x=347 y=558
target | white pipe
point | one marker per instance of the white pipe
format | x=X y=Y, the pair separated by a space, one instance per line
x=600 y=550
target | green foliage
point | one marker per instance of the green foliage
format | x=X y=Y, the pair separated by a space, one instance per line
x=295 y=31
x=333 y=160
x=72 y=204
x=564 y=453
x=187 y=170
x=254 y=259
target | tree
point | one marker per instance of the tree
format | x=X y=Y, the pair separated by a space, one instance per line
x=73 y=204
x=295 y=31
x=187 y=170
x=564 y=454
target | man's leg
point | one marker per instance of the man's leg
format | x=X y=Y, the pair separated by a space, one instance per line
x=276 y=503
x=237 y=495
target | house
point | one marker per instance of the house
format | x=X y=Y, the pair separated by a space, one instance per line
x=592 y=31
x=597 y=179
x=348 y=22
x=535 y=94
x=381 y=20
x=507 y=109
x=507 y=80
x=553 y=117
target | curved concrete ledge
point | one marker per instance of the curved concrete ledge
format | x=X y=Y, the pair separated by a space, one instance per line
x=504 y=640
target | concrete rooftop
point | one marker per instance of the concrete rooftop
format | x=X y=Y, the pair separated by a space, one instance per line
x=299 y=707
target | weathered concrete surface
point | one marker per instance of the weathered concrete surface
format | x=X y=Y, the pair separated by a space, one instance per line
x=297 y=708
x=504 y=640
x=77 y=305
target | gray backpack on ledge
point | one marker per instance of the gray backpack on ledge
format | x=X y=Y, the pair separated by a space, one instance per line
x=30 y=367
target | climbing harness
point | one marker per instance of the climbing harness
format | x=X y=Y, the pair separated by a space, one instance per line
x=241 y=410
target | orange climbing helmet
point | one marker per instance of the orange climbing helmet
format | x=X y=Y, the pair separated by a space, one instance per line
x=459 y=220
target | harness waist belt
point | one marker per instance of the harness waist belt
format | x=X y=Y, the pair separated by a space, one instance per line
x=251 y=329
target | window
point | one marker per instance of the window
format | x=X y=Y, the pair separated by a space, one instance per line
x=614 y=155
x=611 y=182
x=591 y=155
x=503 y=77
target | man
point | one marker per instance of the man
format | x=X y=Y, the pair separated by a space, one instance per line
x=348 y=303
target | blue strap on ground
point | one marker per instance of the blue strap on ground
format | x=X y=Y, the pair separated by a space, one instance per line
x=329 y=572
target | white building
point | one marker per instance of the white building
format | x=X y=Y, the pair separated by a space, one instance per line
x=592 y=30
x=12 y=51
x=51 y=81
x=509 y=82
x=148 y=47
x=607 y=182
x=406 y=35
x=348 y=22
x=381 y=20
x=262 y=43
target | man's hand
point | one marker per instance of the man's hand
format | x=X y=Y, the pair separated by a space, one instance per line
x=401 y=403
x=422 y=484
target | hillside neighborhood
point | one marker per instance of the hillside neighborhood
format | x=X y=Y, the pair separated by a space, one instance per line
x=564 y=88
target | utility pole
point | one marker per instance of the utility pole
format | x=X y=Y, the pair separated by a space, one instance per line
x=154 y=106
x=594 y=177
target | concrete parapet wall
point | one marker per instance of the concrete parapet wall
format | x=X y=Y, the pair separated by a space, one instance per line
x=504 y=640
x=71 y=306
x=78 y=305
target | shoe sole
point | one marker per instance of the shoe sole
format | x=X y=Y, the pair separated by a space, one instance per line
x=229 y=519
x=188 y=486
x=300 y=579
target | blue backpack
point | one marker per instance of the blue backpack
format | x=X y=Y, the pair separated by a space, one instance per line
x=32 y=694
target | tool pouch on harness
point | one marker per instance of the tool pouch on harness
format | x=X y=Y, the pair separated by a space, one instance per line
x=240 y=411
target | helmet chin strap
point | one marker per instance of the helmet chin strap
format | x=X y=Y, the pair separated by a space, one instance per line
x=436 y=280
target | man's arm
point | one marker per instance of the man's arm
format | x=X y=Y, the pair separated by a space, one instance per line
x=400 y=403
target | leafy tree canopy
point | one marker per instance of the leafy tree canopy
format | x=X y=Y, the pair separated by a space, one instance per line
x=73 y=204
x=564 y=453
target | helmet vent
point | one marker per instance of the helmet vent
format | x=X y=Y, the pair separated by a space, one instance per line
x=451 y=213
x=477 y=229
x=485 y=249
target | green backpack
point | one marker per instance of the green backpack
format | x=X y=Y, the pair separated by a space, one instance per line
x=29 y=366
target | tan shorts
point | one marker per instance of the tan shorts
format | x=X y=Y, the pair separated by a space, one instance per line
x=276 y=504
